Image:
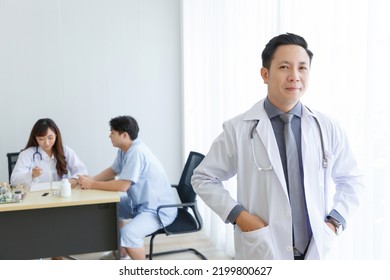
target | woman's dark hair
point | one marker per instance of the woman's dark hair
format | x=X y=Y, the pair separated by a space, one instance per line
x=125 y=124
x=40 y=129
x=280 y=40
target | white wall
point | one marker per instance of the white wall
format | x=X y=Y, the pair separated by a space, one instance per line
x=83 y=62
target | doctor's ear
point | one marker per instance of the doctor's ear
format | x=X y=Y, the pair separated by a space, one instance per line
x=264 y=74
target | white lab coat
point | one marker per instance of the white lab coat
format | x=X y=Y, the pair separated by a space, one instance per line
x=22 y=172
x=264 y=193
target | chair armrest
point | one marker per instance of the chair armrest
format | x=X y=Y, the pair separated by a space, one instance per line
x=191 y=205
x=177 y=205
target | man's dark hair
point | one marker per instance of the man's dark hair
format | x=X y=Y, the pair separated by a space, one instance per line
x=125 y=124
x=280 y=40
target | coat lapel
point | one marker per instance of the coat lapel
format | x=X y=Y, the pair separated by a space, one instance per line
x=266 y=133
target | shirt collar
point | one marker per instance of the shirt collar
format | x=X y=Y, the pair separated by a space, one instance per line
x=273 y=111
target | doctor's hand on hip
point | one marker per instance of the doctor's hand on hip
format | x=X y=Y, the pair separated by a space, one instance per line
x=248 y=222
x=331 y=226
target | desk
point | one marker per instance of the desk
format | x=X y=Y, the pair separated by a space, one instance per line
x=46 y=226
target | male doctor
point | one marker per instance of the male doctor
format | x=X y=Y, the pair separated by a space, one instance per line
x=280 y=214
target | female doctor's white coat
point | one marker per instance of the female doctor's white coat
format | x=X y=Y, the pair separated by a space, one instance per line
x=28 y=159
x=264 y=193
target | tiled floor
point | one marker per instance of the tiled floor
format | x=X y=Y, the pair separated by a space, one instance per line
x=197 y=240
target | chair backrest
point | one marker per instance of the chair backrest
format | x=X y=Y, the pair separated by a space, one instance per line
x=184 y=188
x=12 y=159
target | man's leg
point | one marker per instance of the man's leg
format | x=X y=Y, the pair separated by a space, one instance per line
x=134 y=232
x=136 y=253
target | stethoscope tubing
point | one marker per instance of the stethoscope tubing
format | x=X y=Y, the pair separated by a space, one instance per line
x=37 y=153
x=324 y=159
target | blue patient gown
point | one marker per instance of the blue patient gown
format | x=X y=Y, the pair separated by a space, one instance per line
x=150 y=188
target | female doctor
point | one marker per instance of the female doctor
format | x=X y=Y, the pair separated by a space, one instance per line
x=248 y=148
x=45 y=158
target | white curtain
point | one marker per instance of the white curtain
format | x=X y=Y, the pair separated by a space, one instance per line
x=222 y=45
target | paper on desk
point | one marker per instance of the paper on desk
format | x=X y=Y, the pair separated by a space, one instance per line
x=35 y=187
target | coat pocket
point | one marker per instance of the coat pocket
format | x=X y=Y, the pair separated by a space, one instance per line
x=254 y=245
x=329 y=240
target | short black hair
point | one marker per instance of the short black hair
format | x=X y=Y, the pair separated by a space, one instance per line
x=125 y=124
x=280 y=40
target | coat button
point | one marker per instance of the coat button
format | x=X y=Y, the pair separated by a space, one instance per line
x=287 y=213
x=289 y=248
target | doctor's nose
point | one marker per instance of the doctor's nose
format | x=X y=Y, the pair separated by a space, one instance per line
x=294 y=76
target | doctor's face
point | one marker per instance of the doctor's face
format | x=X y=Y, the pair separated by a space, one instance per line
x=288 y=76
x=47 y=141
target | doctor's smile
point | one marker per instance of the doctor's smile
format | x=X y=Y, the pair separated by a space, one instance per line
x=294 y=89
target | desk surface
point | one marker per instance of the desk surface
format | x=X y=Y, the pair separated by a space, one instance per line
x=35 y=200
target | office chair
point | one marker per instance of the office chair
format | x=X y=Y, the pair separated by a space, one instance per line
x=186 y=221
x=12 y=159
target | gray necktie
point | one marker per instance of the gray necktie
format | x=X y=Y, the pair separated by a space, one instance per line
x=296 y=192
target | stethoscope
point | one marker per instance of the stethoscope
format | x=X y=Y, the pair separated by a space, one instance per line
x=37 y=153
x=259 y=168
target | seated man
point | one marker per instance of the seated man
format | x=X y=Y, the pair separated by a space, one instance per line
x=137 y=172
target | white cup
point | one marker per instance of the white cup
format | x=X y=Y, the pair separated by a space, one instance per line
x=65 y=189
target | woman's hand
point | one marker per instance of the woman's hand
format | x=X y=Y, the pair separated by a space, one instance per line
x=36 y=172
x=73 y=182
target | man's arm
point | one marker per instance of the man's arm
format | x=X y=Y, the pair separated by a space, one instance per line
x=105 y=180
x=347 y=177
x=105 y=175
